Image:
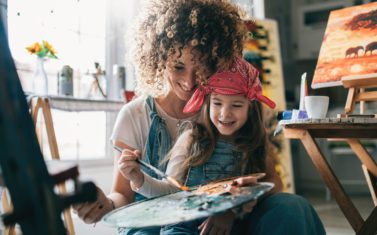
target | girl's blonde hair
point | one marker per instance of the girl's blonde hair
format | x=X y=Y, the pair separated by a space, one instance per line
x=213 y=28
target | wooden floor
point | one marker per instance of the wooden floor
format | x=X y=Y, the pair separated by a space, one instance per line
x=332 y=217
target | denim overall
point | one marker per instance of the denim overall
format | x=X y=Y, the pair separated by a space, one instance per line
x=280 y=213
x=157 y=146
x=221 y=165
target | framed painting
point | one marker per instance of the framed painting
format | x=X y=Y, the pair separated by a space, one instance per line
x=349 y=46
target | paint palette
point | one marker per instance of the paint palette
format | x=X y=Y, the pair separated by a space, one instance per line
x=185 y=206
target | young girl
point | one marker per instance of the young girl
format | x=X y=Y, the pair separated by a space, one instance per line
x=229 y=140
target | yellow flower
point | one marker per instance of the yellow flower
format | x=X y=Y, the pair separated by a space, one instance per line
x=42 y=50
x=49 y=47
x=34 y=48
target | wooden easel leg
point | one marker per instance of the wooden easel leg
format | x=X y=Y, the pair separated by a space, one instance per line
x=56 y=156
x=36 y=104
x=50 y=129
x=350 y=103
x=43 y=103
x=372 y=183
x=363 y=155
x=362 y=103
x=7 y=206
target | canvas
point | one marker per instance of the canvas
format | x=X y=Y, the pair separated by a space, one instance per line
x=349 y=46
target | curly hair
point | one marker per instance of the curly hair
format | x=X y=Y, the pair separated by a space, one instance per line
x=213 y=28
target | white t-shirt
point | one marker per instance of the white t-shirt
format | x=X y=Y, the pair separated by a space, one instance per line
x=133 y=123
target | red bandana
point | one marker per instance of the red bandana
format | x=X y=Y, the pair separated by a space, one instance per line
x=241 y=79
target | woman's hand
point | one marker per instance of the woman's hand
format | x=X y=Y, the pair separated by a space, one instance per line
x=130 y=168
x=218 y=224
x=93 y=212
x=248 y=181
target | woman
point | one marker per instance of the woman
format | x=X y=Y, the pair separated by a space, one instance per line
x=178 y=45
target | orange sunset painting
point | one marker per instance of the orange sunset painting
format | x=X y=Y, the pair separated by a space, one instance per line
x=349 y=46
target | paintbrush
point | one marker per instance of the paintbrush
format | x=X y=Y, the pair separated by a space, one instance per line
x=170 y=180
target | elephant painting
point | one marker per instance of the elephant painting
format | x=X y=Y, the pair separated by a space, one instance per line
x=370 y=47
x=353 y=51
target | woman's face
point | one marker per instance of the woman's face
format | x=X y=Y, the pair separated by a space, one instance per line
x=180 y=73
x=228 y=113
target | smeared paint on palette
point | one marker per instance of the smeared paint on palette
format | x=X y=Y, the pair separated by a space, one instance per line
x=224 y=186
x=183 y=206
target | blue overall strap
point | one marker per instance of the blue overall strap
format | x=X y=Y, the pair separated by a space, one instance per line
x=159 y=140
x=158 y=143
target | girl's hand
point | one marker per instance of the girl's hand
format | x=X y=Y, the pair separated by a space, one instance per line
x=93 y=212
x=248 y=180
x=129 y=167
x=218 y=224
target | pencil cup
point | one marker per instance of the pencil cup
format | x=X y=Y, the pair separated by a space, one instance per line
x=316 y=106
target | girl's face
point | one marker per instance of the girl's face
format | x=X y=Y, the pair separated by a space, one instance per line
x=228 y=113
x=180 y=73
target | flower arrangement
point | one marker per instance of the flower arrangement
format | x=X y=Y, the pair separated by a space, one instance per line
x=42 y=50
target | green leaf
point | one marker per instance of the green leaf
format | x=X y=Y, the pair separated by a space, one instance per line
x=52 y=56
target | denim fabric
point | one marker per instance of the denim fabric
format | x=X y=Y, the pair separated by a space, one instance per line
x=284 y=213
x=158 y=143
x=280 y=213
x=135 y=231
x=157 y=146
x=222 y=164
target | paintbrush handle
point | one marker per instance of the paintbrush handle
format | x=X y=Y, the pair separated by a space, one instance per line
x=154 y=169
x=141 y=162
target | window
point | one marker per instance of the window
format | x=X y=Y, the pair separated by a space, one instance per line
x=77 y=31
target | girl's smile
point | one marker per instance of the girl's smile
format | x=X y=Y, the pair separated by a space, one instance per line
x=228 y=112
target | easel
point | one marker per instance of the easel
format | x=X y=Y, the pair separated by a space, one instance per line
x=357 y=92
x=357 y=86
x=42 y=104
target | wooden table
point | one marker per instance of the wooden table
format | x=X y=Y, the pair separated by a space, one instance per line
x=351 y=130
